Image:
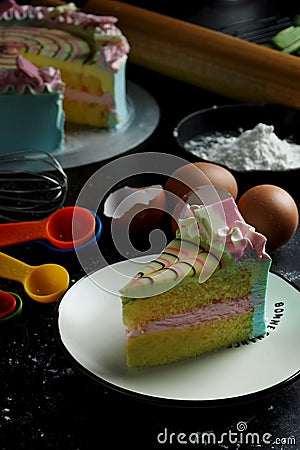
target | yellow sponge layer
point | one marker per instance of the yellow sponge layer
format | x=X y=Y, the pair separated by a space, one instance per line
x=190 y=295
x=85 y=79
x=177 y=343
x=82 y=81
x=92 y=114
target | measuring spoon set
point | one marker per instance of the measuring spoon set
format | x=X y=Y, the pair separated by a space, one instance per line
x=66 y=229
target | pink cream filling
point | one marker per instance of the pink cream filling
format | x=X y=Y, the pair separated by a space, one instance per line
x=196 y=316
x=85 y=97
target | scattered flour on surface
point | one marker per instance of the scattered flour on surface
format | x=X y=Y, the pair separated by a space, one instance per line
x=256 y=149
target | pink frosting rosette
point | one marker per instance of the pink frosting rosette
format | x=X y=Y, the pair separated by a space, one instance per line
x=26 y=75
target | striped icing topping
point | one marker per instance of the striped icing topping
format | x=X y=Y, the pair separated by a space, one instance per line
x=180 y=259
x=52 y=43
x=178 y=252
x=98 y=33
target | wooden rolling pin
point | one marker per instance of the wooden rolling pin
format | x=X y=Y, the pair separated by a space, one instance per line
x=214 y=61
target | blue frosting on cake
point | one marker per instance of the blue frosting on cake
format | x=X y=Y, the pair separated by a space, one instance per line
x=34 y=122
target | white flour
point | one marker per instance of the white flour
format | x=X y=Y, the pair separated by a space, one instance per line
x=257 y=149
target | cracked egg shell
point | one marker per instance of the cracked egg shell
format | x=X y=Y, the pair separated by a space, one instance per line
x=141 y=209
x=271 y=211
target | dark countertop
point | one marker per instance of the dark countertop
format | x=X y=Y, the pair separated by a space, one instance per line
x=48 y=403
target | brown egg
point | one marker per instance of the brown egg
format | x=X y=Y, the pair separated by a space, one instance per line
x=141 y=209
x=197 y=174
x=271 y=211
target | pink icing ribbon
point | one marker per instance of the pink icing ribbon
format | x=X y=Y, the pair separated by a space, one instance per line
x=29 y=69
x=27 y=75
x=243 y=238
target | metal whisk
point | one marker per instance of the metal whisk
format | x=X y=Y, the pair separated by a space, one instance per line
x=32 y=185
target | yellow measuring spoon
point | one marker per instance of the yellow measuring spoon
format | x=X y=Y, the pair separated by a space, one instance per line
x=45 y=283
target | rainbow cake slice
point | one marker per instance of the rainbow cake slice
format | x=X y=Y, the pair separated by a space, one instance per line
x=205 y=291
x=56 y=64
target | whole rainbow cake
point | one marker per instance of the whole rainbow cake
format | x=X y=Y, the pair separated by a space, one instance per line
x=205 y=291
x=58 y=63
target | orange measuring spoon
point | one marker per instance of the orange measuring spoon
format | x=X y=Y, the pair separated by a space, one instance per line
x=67 y=227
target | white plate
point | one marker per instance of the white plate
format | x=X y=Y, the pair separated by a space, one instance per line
x=91 y=330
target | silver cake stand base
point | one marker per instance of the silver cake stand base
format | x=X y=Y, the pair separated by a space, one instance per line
x=85 y=145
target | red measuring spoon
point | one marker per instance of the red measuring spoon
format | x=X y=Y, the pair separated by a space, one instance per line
x=7 y=304
x=66 y=228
